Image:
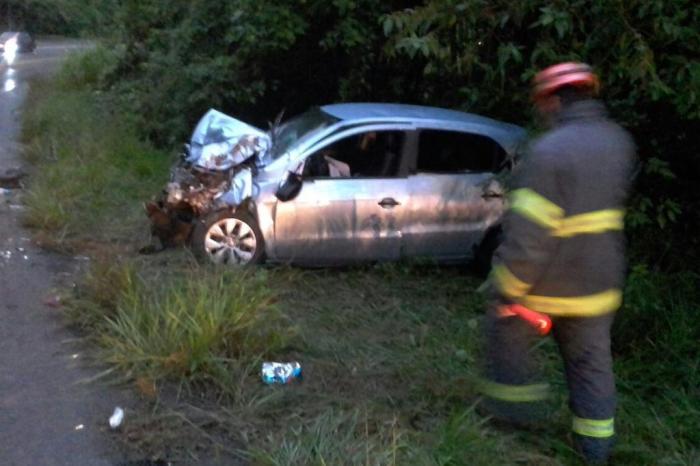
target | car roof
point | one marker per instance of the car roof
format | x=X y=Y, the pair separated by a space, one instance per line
x=506 y=134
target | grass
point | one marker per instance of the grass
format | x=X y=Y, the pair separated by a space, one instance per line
x=655 y=340
x=401 y=343
x=94 y=171
x=191 y=325
x=335 y=437
x=389 y=352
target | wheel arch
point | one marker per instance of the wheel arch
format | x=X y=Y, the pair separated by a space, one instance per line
x=242 y=213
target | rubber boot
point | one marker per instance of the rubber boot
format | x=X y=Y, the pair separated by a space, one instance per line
x=595 y=451
x=530 y=416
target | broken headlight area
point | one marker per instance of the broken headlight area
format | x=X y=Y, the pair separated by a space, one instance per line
x=215 y=172
x=191 y=193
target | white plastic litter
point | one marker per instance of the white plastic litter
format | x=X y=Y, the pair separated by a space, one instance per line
x=117 y=417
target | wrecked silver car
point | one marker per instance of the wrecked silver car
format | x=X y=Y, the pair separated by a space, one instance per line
x=339 y=184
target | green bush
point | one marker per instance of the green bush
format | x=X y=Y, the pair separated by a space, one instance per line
x=255 y=58
x=399 y=338
x=480 y=55
x=89 y=70
x=66 y=17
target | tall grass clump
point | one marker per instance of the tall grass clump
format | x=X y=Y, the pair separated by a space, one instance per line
x=658 y=367
x=193 y=326
x=93 y=170
x=99 y=293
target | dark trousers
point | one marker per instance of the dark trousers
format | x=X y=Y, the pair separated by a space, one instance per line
x=584 y=344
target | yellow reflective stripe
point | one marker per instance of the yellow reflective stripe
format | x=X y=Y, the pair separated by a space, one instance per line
x=514 y=393
x=547 y=214
x=594 y=428
x=591 y=305
x=507 y=283
x=536 y=208
x=598 y=221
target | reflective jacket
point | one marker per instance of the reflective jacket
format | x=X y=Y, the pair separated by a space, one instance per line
x=563 y=252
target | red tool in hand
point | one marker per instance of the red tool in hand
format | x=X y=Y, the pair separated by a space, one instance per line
x=541 y=322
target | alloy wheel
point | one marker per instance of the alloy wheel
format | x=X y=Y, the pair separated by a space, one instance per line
x=230 y=241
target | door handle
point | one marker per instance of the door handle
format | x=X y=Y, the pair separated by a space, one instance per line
x=389 y=202
x=491 y=194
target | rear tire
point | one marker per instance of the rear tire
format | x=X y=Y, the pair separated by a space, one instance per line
x=483 y=253
x=228 y=238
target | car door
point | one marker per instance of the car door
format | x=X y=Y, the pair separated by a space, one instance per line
x=454 y=194
x=350 y=205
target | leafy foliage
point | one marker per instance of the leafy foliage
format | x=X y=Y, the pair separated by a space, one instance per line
x=56 y=16
x=394 y=341
x=255 y=58
x=480 y=55
x=252 y=58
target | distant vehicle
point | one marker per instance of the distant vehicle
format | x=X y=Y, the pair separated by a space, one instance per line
x=21 y=42
x=339 y=184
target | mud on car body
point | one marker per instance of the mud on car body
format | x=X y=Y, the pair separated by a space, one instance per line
x=339 y=184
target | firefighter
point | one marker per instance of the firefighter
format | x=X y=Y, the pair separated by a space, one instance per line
x=562 y=257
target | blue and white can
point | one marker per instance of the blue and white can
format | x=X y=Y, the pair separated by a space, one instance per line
x=281 y=372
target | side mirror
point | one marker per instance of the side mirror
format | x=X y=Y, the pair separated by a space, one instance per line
x=290 y=187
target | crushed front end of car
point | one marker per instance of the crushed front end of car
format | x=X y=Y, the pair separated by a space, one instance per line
x=214 y=172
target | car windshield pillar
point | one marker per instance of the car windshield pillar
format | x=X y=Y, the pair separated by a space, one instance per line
x=298 y=129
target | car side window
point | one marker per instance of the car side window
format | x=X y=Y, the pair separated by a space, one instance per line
x=456 y=152
x=374 y=154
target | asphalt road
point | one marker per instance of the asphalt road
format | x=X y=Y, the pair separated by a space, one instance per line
x=47 y=415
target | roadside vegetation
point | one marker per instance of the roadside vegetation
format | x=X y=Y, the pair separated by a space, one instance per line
x=254 y=58
x=389 y=352
x=93 y=172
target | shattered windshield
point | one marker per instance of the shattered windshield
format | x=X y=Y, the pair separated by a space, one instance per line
x=298 y=128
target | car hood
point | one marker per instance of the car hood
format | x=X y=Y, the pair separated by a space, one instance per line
x=220 y=142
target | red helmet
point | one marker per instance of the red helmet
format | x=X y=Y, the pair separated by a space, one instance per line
x=549 y=80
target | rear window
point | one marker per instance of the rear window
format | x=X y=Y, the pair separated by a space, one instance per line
x=456 y=152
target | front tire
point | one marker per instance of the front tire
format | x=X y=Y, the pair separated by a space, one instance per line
x=228 y=238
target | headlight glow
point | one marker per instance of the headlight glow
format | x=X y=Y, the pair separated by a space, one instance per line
x=10 y=52
x=9 y=85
